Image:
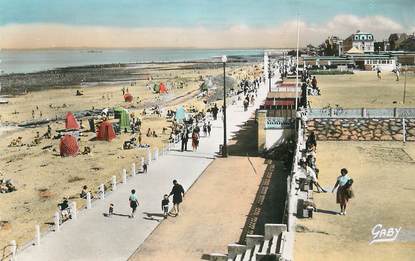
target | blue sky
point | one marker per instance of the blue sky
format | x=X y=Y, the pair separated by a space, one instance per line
x=195 y=23
x=189 y=13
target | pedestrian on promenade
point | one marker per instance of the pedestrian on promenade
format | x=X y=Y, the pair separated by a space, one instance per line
x=344 y=190
x=209 y=128
x=195 y=140
x=178 y=194
x=215 y=111
x=185 y=138
x=133 y=203
x=165 y=205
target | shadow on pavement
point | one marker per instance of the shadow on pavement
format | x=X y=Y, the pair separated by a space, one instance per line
x=245 y=141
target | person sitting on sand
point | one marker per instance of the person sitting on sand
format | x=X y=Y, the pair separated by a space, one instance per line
x=87 y=150
x=84 y=192
x=79 y=93
x=64 y=209
x=154 y=134
x=148 y=132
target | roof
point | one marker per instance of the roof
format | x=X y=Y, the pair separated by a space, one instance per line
x=354 y=50
x=279 y=95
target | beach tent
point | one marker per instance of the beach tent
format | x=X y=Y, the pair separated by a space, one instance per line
x=180 y=114
x=128 y=97
x=162 y=88
x=71 y=122
x=68 y=146
x=105 y=131
x=156 y=88
x=123 y=118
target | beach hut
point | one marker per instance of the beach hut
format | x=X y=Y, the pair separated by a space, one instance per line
x=71 y=122
x=123 y=118
x=180 y=114
x=68 y=146
x=105 y=131
x=128 y=97
x=162 y=88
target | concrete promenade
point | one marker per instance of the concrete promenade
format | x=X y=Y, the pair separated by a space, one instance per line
x=92 y=236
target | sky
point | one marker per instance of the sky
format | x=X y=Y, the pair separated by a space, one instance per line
x=195 y=23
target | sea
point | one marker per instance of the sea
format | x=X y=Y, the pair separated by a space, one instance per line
x=29 y=61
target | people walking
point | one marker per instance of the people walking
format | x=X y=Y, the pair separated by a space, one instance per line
x=215 y=111
x=344 y=190
x=133 y=199
x=178 y=194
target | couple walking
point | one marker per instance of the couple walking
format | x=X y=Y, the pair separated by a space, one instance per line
x=185 y=139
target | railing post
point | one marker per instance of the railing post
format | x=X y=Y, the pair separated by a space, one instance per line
x=88 y=200
x=74 y=213
x=404 y=129
x=114 y=183
x=133 y=169
x=148 y=156
x=124 y=176
x=156 y=154
x=13 y=249
x=395 y=112
x=37 y=235
x=331 y=112
x=57 y=221
x=142 y=164
x=102 y=191
x=364 y=112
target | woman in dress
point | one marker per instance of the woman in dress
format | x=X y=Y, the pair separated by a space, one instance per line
x=195 y=140
x=344 y=191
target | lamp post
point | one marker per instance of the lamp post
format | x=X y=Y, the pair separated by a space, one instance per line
x=224 y=148
x=269 y=77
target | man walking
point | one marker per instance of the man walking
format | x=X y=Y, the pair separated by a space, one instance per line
x=185 y=139
x=178 y=194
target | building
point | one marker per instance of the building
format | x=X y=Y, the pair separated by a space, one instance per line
x=361 y=41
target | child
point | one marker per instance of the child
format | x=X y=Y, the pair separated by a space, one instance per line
x=111 y=210
x=165 y=205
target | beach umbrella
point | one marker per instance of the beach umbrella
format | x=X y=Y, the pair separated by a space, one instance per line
x=68 y=146
x=162 y=88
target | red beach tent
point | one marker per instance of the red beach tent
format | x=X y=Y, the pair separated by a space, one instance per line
x=163 y=88
x=68 y=146
x=105 y=131
x=71 y=122
x=128 y=97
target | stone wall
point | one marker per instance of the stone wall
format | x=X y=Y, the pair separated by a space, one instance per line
x=361 y=129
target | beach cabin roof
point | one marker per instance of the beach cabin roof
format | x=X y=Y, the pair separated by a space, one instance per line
x=68 y=146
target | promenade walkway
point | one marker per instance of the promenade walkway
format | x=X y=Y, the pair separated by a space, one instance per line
x=95 y=237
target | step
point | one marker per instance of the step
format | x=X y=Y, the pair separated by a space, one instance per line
x=218 y=257
x=256 y=250
x=264 y=249
x=234 y=250
x=247 y=255
x=253 y=240
x=273 y=249
x=238 y=257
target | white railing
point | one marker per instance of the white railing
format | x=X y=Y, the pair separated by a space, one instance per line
x=338 y=112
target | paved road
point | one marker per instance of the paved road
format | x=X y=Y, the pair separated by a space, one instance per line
x=95 y=237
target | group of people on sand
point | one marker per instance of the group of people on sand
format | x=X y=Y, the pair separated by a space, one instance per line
x=310 y=171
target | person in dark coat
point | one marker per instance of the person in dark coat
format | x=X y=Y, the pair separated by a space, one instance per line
x=178 y=194
x=215 y=111
x=185 y=139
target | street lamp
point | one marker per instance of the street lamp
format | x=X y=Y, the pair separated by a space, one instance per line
x=269 y=76
x=224 y=148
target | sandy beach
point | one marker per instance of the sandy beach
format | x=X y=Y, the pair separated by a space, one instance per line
x=363 y=89
x=43 y=178
x=383 y=185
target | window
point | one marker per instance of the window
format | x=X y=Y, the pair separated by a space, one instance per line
x=369 y=37
x=356 y=37
x=363 y=37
